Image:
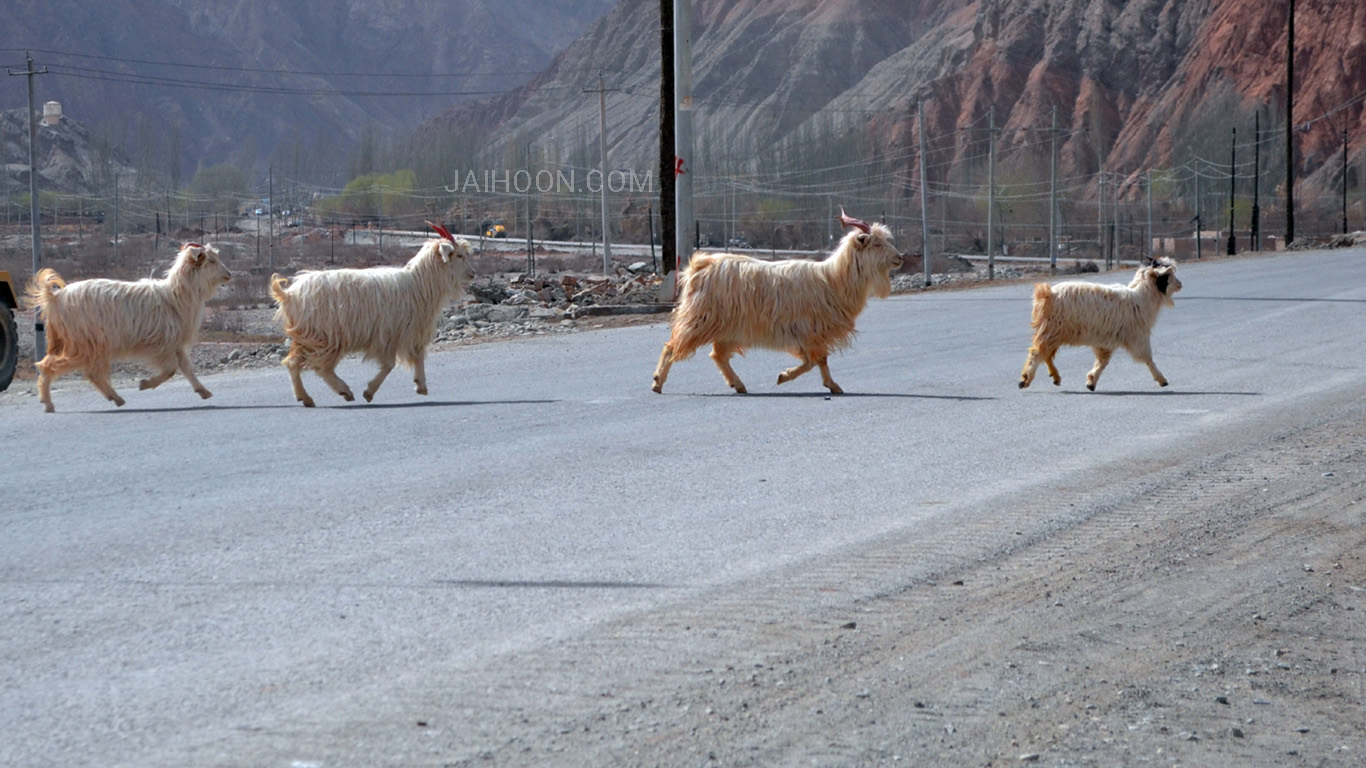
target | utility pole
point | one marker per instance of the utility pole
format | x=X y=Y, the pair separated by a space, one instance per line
x=683 y=131
x=1344 y=181
x=1149 y=249
x=1053 y=199
x=1232 y=191
x=270 y=214
x=1100 y=217
x=991 y=193
x=1290 y=126
x=924 y=195
x=1257 y=181
x=602 y=159
x=667 y=186
x=35 y=224
x=1199 y=215
x=530 y=244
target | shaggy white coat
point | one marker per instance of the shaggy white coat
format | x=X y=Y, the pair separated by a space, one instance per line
x=92 y=323
x=1103 y=317
x=806 y=308
x=388 y=314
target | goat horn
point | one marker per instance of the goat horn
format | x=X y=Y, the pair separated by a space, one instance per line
x=192 y=245
x=850 y=221
x=440 y=230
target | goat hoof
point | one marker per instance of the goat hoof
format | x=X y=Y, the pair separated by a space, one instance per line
x=369 y=397
x=348 y=397
x=1091 y=387
x=658 y=389
x=422 y=390
x=204 y=394
x=1023 y=384
x=740 y=389
x=835 y=390
x=144 y=384
x=1161 y=383
x=47 y=408
x=307 y=403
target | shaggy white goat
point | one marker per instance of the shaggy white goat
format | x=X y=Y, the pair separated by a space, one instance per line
x=806 y=308
x=1102 y=317
x=92 y=323
x=386 y=313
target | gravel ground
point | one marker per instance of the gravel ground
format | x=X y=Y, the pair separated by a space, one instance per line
x=1212 y=617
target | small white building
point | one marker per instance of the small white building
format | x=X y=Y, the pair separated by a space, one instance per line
x=52 y=112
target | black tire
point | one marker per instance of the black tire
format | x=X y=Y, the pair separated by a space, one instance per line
x=9 y=346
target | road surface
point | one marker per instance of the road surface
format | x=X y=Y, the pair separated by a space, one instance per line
x=544 y=563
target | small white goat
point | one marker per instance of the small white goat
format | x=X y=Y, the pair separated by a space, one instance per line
x=92 y=323
x=806 y=308
x=1102 y=317
x=387 y=313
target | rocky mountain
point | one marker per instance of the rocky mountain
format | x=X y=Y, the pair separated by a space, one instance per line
x=1135 y=83
x=251 y=81
x=68 y=159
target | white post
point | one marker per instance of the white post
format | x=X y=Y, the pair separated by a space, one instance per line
x=602 y=149
x=924 y=195
x=991 y=195
x=683 y=130
x=1053 y=200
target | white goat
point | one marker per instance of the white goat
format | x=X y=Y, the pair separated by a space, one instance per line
x=387 y=313
x=92 y=323
x=806 y=308
x=1102 y=317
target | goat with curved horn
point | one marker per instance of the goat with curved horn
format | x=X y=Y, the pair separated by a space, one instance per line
x=440 y=230
x=850 y=221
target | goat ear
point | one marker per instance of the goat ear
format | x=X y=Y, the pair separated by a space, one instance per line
x=863 y=239
x=1164 y=279
x=446 y=250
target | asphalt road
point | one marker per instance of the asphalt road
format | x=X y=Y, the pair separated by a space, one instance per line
x=236 y=581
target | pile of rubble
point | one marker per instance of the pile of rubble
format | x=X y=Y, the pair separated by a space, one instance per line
x=519 y=304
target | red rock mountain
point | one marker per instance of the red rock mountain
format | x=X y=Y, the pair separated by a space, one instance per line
x=1136 y=83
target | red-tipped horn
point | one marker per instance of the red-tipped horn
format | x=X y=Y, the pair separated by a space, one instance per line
x=440 y=230
x=850 y=221
x=192 y=245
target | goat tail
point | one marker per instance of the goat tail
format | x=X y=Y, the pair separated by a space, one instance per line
x=43 y=288
x=278 y=285
x=1043 y=304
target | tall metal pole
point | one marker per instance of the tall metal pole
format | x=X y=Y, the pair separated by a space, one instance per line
x=270 y=214
x=602 y=150
x=1100 y=218
x=1290 y=126
x=35 y=223
x=1199 y=213
x=667 y=185
x=1053 y=199
x=991 y=193
x=1232 y=191
x=683 y=131
x=1344 y=181
x=1257 y=181
x=1149 y=249
x=924 y=195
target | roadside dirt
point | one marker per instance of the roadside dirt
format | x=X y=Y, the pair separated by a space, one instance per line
x=1211 y=615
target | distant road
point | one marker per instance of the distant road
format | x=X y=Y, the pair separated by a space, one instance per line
x=243 y=581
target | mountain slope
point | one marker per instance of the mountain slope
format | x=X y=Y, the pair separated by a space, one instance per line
x=236 y=80
x=1136 y=84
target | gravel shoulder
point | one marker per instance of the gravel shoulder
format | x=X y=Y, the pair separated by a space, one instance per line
x=1209 y=615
